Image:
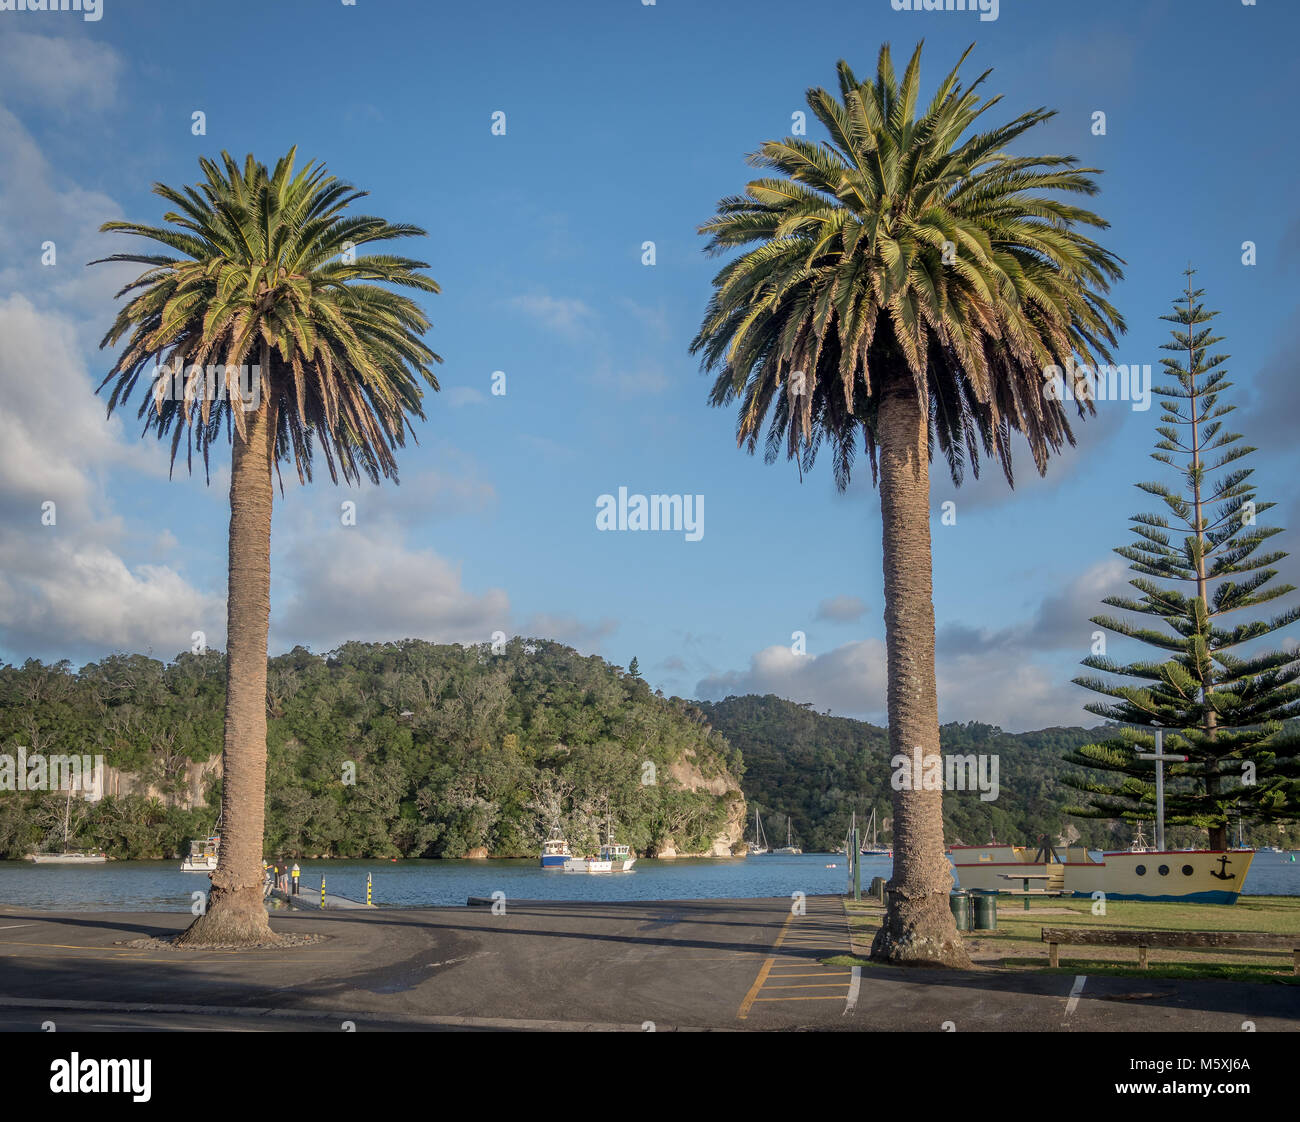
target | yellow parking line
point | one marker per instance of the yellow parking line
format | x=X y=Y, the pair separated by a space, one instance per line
x=822 y=997
x=809 y=986
x=819 y=974
x=752 y=995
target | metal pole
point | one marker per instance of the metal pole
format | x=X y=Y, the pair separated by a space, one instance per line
x=1159 y=757
x=1160 y=790
x=857 y=866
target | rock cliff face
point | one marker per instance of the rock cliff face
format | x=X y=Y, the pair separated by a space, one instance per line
x=192 y=793
x=728 y=841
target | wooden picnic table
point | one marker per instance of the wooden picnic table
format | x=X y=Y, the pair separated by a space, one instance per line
x=1026 y=877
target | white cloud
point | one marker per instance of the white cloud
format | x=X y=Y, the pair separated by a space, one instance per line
x=569 y=629
x=53 y=433
x=366 y=584
x=37 y=206
x=457 y=396
x=644 y=381
x=71 y=598
x=560 y=314
x=842 y=609
x=1062 y=621
x=54 y=71
x=849 y=679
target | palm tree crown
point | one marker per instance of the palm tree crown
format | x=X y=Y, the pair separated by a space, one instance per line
x=268 y=271
x=898 y=250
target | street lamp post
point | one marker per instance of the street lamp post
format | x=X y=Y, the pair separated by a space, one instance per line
x=1160 y=758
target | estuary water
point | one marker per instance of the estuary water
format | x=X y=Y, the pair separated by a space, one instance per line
x=161 y=886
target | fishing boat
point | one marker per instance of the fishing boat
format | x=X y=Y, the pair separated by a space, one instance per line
x=555 y=852
x=789 y=846
x=874 y=850
x=1202 y=876
x=611 y=858
x=203 y=855
x=67 y=857
x=1140 y=843
x=759 y=845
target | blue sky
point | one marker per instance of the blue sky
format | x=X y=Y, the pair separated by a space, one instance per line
x=624 y=124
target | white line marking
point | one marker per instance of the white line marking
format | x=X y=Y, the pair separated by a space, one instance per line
x=852 y=1002
x=1074 y=993
x=314 y=1014
x=12 y=926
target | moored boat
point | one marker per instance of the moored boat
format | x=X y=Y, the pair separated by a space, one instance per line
x=203 y=855
x=759 y=845
x=789 y=846
x=67 y=857
x=873 y=849
x=610 y=859
x=555 y=852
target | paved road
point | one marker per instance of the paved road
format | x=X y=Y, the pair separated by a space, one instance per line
x=698 y=964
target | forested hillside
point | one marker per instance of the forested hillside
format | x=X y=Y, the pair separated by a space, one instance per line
x=410 y=749
x=817 y=769
x=420 y=750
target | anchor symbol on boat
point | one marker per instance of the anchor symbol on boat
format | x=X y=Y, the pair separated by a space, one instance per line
x=1223 y=874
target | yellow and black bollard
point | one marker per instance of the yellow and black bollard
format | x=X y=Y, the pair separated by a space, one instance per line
x=368 y=887
x=322 y=892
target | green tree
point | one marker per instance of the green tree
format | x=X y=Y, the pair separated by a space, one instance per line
x=1198 y=562
x=905 y=285
x=262 y=272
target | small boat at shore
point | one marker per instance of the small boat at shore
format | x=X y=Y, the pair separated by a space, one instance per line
x=203 y=855
x=759 y=845
x=555 y=852
x=67 y=857
x=1201 y=876
x=611 y=859
x=874 y=849
x=789 y=846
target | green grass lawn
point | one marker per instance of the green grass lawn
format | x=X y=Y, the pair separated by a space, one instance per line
x=1017 y=943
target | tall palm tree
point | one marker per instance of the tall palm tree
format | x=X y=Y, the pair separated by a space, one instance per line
x=907 y=281
x=263 y=273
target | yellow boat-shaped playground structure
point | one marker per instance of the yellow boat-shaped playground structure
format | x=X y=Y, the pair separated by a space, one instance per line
x=1201 y=876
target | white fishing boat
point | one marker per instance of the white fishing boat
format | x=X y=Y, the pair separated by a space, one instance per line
x=759 y=845
x=611 y=858
x=789 y=846
x=1140 y=843
x=203 y=855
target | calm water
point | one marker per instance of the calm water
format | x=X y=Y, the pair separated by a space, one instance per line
x=161 y=886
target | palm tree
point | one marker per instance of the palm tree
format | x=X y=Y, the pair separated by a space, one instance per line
x=910 y=283
x=263 y=274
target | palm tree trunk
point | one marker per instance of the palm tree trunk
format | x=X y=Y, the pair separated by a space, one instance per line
x=236 y=914
x=918 y=925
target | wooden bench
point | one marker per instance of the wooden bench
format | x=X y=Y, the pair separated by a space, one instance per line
x=1144 y=940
